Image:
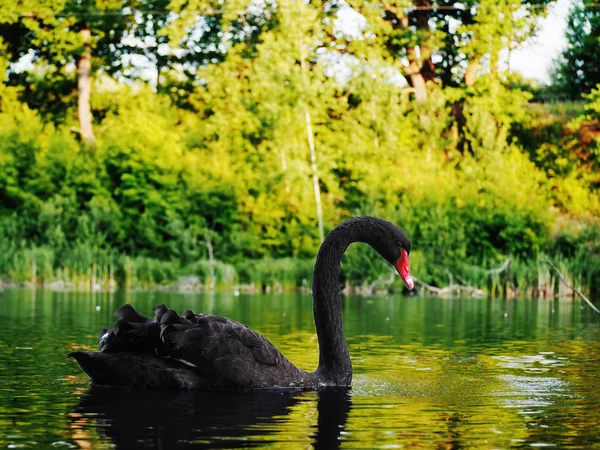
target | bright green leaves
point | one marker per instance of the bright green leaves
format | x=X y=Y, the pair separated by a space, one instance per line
x=216 y=161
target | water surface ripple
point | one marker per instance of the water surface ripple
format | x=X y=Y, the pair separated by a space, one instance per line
x=429 y=373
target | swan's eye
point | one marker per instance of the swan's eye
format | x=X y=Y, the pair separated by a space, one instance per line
x=401 y=247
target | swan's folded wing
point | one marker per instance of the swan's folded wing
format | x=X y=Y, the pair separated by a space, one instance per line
x=217 y=340
x=130 y=337
x=262 y=350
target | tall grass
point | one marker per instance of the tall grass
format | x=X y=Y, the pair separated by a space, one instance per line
x=81 y=267
x=277 y=274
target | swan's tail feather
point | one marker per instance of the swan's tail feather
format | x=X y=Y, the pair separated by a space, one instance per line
x=98 y=367
x=129 y=314
x=130 y=337
x=189 y=315
x=159 y=311
x=192 y=317
x=131 y=352
x=131 y=369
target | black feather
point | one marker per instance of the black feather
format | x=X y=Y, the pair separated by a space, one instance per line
x=129 y=314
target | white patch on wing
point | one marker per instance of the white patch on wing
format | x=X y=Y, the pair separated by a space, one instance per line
x=104 y=336
x=187 y=363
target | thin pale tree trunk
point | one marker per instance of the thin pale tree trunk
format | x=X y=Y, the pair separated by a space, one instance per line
x=495 y=47
x=471 y=72
x=417 y=71
x=111 y=275
x=313 y=151
x=417 y=81
x=84 y=89
x=283 y=159
x=313 y=162
x=211 y=260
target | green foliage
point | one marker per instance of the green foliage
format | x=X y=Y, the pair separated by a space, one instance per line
x=209 y=175
x=284 y=273
x=580 y=249
x=593 y=103
x=578 y=71
x=560 y=140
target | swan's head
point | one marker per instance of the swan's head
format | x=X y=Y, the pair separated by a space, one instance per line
x=394 y=246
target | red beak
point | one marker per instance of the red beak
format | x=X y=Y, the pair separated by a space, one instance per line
x=403 y=269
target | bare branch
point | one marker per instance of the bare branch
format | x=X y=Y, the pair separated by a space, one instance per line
x=502 y=268
x=577 y=291
x=443 y=292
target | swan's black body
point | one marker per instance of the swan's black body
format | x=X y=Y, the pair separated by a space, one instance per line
x=200 y=351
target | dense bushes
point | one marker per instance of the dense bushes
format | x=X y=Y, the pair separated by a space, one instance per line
x=224 y=192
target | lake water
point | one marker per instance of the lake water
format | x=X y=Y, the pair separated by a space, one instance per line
x=429 y=373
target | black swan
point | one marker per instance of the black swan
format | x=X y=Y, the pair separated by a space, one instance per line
x=199 y=351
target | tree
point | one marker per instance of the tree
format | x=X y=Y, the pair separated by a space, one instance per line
x=578 y=70
x=265 y=104
x=444 y=41
x=59 y=34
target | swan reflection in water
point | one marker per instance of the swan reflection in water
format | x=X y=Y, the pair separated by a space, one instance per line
x=184 y=419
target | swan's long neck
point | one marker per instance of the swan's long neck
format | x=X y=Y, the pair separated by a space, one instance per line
x=334 y=359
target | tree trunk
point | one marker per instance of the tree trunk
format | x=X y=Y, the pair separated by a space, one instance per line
x=495 y=47
x=423 y=72
x=34 y=273
x=111 y=275
x=413 y=71
x=313 y=162
x=311 y=144
x=211 y=260
x=84 y=109
x=418 y=83
x=471 y=72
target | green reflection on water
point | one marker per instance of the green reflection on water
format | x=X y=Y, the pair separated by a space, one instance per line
x=428 y=373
